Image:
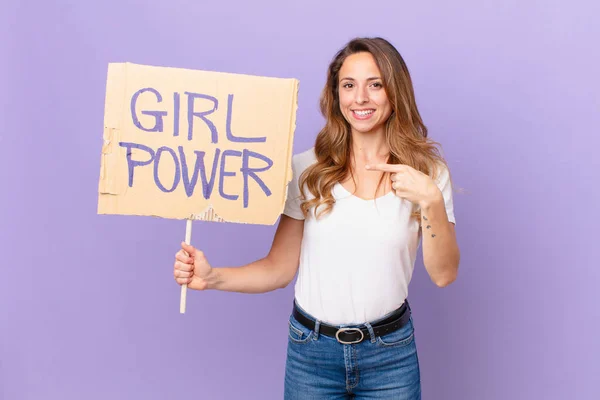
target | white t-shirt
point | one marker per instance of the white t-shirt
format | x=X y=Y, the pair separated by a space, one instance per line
x=356 y=262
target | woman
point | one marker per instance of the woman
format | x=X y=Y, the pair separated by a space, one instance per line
x=361 y=201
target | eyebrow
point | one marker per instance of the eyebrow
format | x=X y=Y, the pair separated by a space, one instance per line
x=373 y=78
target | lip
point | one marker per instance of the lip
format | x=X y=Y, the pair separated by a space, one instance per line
x=363 y=117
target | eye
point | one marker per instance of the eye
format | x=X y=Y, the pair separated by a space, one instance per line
x=377 y=85
x=347 y=85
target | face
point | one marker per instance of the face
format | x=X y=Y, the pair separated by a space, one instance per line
x=363 y=100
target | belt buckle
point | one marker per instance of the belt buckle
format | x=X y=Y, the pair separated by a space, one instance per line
x=337 y=337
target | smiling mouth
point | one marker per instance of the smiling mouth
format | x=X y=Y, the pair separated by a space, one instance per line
x=363 y=114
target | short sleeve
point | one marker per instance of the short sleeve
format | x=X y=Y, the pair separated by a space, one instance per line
x=445 y=185
x=294 y=199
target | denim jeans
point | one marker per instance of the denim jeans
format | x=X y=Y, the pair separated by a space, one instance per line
x=319 y=367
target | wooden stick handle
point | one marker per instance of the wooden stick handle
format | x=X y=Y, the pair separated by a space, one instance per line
x=188 y=239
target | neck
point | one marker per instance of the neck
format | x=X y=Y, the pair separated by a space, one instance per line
x=369 y=148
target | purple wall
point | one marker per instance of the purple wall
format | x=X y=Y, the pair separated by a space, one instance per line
x=88 y=306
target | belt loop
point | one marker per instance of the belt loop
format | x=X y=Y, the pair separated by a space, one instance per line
x=317 y=327
x=371 y=332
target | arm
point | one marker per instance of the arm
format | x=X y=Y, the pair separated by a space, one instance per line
x=441 y=254
x=440 y=249
x=274 y=271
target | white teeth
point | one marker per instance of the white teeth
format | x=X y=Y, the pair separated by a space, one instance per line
x=363 y=113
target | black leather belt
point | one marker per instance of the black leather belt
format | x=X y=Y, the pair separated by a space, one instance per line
x=352 y=335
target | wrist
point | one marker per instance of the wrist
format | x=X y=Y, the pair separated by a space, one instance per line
x=431 y=201
x=212 y=278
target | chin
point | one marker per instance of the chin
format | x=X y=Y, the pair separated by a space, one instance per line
x=362 y=129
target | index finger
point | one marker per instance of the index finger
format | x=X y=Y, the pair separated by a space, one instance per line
x=182 y=256
x=385 y=167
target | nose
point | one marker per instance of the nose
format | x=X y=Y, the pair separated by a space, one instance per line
x=362 y=95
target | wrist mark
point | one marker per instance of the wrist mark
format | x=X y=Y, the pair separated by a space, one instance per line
x=428 y=226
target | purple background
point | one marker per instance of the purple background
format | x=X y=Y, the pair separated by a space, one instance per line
x=88 y=306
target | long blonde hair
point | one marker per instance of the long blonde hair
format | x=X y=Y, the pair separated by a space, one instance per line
x=405 y=132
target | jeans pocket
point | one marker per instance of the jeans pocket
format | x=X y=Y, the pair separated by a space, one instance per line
x=298 y=333
x=402 y=337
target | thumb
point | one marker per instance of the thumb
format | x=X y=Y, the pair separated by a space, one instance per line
x=188 y=249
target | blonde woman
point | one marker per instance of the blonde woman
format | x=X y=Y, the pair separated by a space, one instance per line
x=372 y=189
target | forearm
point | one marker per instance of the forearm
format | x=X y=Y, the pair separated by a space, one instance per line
x=441 y=255
x=258 y=277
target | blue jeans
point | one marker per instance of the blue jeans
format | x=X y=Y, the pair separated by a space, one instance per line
x=319 y=367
